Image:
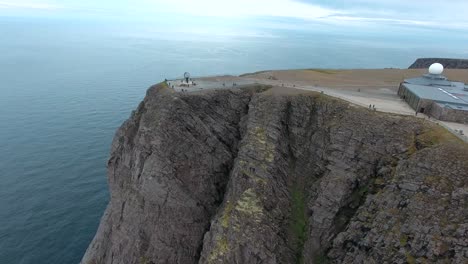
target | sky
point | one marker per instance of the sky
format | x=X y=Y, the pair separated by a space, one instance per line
x=432 y=14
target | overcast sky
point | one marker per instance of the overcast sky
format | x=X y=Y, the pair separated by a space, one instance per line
x=448 y=14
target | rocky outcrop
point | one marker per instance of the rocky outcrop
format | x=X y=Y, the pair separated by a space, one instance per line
x=257 y=175
x=424 y=63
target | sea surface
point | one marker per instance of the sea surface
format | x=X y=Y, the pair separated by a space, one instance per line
x=66 y=86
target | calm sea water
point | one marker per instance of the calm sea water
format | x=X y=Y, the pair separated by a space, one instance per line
x=66 y=86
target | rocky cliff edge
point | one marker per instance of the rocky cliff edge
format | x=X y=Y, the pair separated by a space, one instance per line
x=259 y=175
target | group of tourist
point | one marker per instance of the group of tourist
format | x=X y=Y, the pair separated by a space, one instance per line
x=193 y=83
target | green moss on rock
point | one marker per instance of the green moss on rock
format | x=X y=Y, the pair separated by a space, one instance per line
x=226 y=215
x=298 y=221
x=219 y=250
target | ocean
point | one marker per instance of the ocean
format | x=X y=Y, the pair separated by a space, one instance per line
x=67 y=85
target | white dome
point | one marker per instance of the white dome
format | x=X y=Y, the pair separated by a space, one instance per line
x=436 y=69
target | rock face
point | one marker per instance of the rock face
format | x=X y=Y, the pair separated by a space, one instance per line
x=257 y=175
x=424 y=63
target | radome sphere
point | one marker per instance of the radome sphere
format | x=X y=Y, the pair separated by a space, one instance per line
x=436 y=68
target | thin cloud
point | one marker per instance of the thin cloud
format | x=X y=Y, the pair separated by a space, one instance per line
x=427 y=13
x=428 y=23
x=431 y=13
x=27 y=5
x=244 y=8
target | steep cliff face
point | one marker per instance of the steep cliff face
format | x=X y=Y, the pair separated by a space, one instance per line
x=257 y=175
x=424 y=63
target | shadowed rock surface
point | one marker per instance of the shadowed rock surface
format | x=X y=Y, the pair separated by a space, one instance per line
x=264 y=175
x=424 y=63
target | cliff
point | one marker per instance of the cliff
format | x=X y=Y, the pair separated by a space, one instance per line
x=424 y=63
x=260 y=175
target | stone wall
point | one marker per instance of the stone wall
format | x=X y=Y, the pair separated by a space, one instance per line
x=425 y=106
x=449 y=114
x=410 y=98
x=419 y=105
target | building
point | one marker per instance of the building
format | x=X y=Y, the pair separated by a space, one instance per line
x=435 y=96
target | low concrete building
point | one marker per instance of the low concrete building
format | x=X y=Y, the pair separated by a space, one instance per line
x=435 y=96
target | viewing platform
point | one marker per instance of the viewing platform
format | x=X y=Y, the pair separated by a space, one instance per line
x=208 y=83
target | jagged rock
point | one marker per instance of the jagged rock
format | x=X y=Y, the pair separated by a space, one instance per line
x=260 y=175
x=424 y=63
x=422 y=224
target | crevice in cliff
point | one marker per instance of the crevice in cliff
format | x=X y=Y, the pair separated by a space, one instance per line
x=342 y=220
x=296 y=182
x=221 y=187
x=382 y=173
x=344 y=215
x=366 y=182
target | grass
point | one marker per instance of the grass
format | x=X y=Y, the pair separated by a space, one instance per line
x=436 y=136
x=298 y=216
x=324 y=71
x=403 y=240
x=252 y=73
x=164 y=84
x=298 y=220
x=321 y=259
x=432 y=136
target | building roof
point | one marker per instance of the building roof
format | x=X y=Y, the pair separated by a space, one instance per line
x=438 y=88
x=434 y=80
x=437 y=94
x=454 y=106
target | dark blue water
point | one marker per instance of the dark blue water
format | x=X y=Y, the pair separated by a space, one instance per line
x=66 y=86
